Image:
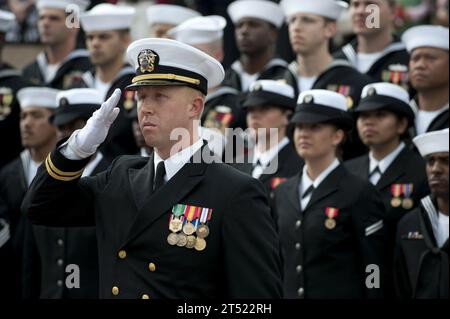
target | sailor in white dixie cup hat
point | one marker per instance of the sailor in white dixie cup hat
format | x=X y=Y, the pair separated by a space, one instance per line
x=256 y=23
x=429 y=75
x=324 y=211
x=163 y=17
x=181 y=204
x=421 y=263
x=61 y=64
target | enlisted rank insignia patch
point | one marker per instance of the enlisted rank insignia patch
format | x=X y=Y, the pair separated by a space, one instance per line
x=147 y=61
x=189 y=226
x=6 y=99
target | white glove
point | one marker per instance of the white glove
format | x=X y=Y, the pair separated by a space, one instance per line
x=84 y=142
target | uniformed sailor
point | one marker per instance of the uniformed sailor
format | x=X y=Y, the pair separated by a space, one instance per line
x=421 y=263
x=175 y=225
x=392 y=166
x=330 y=222
x=61 y=64
x=429 y=76
x=376 y=51
x=10 y=82
x=108 y=35
x=272 y=157
x=38 y=137
x=256 y=24
x=312 y=26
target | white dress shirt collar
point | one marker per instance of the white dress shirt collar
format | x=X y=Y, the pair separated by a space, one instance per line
x=176 y=162
x=266 y=157
x=384 y=164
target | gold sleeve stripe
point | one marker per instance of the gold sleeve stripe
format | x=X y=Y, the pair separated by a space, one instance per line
x=56 y=176
x=61 y=173
x=165 y=77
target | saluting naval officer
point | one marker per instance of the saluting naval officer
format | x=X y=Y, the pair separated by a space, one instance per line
x=421 y=264
x=330 y=222
x=384 y=116
x=177 y=224
x=272 y=158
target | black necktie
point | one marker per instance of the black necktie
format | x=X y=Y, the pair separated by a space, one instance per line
x=308 y=191
x=159 y=176
x=376 y=170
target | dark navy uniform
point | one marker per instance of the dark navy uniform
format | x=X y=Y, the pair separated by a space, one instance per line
x=391 y=67
x=407 y=168
x=69 y=72
x=42 y=250
x=120 y=139
x=289 y=164
x=274 y=70
x=440 y=122
x=421 y=267
x=340 y=77
x=11 y=81
x=330 y=263
x=132 y=222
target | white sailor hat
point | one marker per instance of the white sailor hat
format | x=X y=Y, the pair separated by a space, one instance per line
x=432 y=142
x=105 y=16
x=426 y=36
x=270 y=92
x=260 y=9
x=386 y=96
x=76 y=104
x=62 y=4
x=199 y=30
x=322 y=106
x=331 y=9
x=41 y=97
x=169 y=14
x=6 y=20
x=170 y=62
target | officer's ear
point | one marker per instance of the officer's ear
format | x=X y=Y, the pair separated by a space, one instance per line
x=197 y=104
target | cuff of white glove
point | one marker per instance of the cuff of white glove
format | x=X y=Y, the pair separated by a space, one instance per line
x=71 y=151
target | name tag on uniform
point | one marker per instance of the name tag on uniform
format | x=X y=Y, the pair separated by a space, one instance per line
x=188 y=226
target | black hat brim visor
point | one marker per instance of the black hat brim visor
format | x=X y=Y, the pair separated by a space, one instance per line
x=269 y=99
x=313 y=114
x=400 y=108
x=63 y=117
